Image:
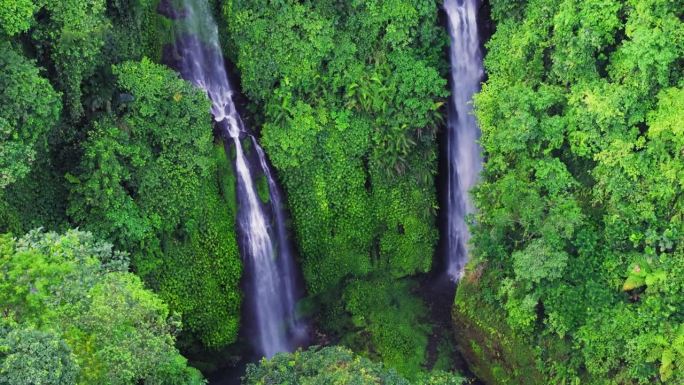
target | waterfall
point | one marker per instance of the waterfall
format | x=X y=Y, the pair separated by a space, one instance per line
x=464 y=161
x=266 y=250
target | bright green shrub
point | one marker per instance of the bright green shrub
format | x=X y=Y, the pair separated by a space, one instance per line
x=79 y=292
x=16 y=16
x=30 y=356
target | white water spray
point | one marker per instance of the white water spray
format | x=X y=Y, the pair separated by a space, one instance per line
x=463 y=151
x=271 y=288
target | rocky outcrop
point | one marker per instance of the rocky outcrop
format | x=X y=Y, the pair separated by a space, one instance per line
x=493 y=352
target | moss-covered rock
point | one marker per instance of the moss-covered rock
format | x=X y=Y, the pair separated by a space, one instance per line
x=493 y=352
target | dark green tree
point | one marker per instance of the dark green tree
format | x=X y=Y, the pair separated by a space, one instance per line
x=29 y=108
x=29 y=357
x=72 y=38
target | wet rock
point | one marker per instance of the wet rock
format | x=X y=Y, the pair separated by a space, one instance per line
x=166 y=8
x=491 y=349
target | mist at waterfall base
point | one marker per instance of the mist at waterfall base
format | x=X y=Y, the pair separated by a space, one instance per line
x=464 y=160
x=270 y=286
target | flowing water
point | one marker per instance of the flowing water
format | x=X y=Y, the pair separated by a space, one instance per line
x=270 y=271
x=464 y=161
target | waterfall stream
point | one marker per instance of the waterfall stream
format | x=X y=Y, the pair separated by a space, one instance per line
x=270 y=270
x=464 y=161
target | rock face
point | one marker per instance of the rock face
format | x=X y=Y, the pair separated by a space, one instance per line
x=493 y=352
x=166 y=8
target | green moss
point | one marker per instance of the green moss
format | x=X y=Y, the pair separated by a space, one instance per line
x=246 y=146
x=226 y=178
x=389 y=323
x=262 y=189
x=493 y=352
x=445 y=356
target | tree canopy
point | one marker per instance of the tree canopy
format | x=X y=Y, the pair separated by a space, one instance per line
x=580 y=215
x=331 y=366
x=29 y=107
x=72 y=313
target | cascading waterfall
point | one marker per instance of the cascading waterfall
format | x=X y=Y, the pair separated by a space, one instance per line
x=464 y=161
x=286 y=260
x=271 y=287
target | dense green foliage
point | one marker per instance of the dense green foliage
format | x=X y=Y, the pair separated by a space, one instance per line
x=80 y=38
x=148 y=182
x=494 y=352
x=331 y=366
x=29 y=107
x=581 y=205
x=132 y=159
x=578 y=244
x=31 y=356
x=16 y=15
x=393 y=318
x=72 y=313
x=73 y=44
x=349 y=97
x=350 y=94
x=73 y=37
